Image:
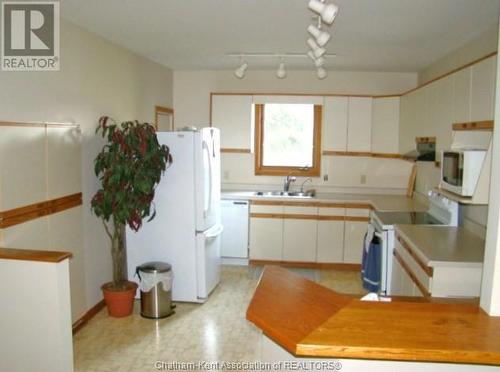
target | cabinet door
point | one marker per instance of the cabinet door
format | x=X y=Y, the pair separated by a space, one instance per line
x=299 y=240
x=483 y=90
x=233 y=115
x=330 y=235
x=299 y=234
x=461 y=95
x=334 y=126
x=354 y=235
x=396 y=279
x=359 y=124
x=266 y=238
x=385 y=125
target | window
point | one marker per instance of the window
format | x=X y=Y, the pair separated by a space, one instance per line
x=287 y=139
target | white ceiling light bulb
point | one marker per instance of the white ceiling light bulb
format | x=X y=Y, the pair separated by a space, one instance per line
x=328 y=12
x=240 y=71
x=281 y=73
x=322 y=37
x=321 y=73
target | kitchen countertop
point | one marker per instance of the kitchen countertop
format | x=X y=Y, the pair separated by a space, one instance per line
x=378 y=202
x=310 y=320
x=444 y=245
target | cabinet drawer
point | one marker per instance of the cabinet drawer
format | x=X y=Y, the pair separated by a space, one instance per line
x=331 y=211
x=301 y=210
x=277 y=209
x=420 y=277
x=357 y=212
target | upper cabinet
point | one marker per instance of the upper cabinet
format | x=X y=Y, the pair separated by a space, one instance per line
x=334 y=136
x=483 y=90
x=385 y=125
x=359 y=123
x=461 y=95
x=232 y=114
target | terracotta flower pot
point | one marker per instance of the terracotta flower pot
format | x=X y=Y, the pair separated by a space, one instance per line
x=119 y=303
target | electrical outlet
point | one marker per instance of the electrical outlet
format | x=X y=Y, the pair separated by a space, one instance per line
x=226 y=175
x=325 y=178
x=363 y=179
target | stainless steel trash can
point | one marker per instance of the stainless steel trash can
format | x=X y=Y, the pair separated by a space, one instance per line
x=156 y=303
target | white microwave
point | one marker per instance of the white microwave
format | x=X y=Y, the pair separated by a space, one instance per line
x=460 y=170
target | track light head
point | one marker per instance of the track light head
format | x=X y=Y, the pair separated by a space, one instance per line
x=322 y=37
x=328 y=12
x=315 y=48
x=321 y=73
x=281 y=72
x=318 y=62
x=240 y=71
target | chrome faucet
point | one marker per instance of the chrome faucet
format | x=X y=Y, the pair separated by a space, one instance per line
x=288 y=180
x=308 y=179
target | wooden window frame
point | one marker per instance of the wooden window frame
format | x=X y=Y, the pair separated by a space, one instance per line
x=261 y=170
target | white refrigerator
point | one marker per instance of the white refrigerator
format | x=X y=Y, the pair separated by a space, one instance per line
x=186 y=230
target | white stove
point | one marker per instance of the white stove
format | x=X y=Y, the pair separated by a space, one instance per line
x=441 y=212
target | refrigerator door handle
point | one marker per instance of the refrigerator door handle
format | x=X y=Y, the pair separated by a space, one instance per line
x=210 y=181
x=214 y=232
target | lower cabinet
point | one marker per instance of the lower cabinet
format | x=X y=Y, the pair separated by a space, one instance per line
x=402 y=283
x=330 y=244
x=299 y=233
x=356 y=225
x=354 y=235
x=266 y=233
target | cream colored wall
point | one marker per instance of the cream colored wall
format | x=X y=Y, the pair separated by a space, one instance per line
x=485 y=44
x=96 y=78
x=192 y=108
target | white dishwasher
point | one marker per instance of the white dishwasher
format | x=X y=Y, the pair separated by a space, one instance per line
x=234 y=242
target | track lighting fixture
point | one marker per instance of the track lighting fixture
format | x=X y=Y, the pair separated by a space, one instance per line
x=328 y=12
x=318 y=62
x=315 y=48
x=240 y=71
x=322 y=37
x=321 y=73
x=281 y=73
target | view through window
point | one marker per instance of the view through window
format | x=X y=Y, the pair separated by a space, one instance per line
x=287 y=138
x=288 y=135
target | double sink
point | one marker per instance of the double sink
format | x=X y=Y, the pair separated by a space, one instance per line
x=287 y=194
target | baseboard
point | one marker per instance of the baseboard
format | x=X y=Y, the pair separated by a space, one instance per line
x=309 y=265
x=87 y=316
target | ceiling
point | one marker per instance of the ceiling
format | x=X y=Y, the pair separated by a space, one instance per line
x=369 y=35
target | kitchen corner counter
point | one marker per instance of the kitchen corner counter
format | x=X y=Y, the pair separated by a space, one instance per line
x=309 y=320
x=444 y=245
x=378 y=202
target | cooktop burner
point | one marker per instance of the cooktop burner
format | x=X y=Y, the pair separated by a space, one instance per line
x=407 y=218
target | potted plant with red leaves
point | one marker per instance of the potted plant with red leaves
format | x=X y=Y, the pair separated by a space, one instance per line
x=129 y=166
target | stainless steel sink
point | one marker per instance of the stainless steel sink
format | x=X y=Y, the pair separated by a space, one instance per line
x=287 y=194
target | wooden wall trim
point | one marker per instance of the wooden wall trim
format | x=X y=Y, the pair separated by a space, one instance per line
x=486 y=125
x=30 y=212
x=308 y=265
x=78 y=325
x=29 y=124
x=319 y=204
x=451 y=72
x=412 y=276
x=316 y=217
x=427 y=269
x=33 y=255
x=362 y=154
x=235 y=151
